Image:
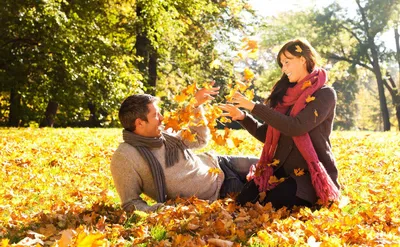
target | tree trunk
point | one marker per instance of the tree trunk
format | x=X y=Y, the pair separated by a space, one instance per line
x=383 y=102
x=15 y=108
x=49 y=115
x=148 y=65
x=381 y=89
x=394 y=92
x=153 y=72
x=93 y=119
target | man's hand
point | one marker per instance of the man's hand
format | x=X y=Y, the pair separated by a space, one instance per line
x=232 y=111
x=204 y=94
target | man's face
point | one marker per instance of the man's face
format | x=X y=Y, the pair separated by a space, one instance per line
x=153 y=126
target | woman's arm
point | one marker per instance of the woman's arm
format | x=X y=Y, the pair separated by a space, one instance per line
x=311 y=116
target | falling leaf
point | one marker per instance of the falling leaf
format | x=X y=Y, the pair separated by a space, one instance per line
x=187 y=135
x=191 y=89
x=310 y=98
x=248 y=74
x=275 y=162
x=180 y=98
x=306 y=84
x=273 y=179
x=299 y=172
x=214 y=170
x=249 y=94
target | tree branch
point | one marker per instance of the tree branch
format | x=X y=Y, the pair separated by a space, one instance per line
x=349 y=60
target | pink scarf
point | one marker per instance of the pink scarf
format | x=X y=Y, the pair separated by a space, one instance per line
x=261 y=172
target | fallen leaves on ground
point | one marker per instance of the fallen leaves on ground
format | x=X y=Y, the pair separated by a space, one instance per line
x=57 y=191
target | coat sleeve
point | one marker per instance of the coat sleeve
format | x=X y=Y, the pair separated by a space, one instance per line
x=254 y=127
x=127 y=182
x=311 y=116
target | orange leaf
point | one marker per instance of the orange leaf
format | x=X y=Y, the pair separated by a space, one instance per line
x=275 y=162
x=310 y=98
x=274 y=179
x=187 y=135
x=299 y=172
x=191 y=89
x=306 y=84
x=180 y=98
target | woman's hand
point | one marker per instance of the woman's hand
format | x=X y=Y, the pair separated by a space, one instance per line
x=205 y=94
x=232 y=111
x=241 y=101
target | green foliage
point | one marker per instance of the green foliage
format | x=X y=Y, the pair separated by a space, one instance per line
x=81 y=53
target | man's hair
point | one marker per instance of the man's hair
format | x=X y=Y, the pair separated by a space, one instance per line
x=134 y=107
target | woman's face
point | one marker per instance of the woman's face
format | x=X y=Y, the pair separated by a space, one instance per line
x=294 y=67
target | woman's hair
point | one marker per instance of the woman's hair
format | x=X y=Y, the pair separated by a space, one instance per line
x=297 y=48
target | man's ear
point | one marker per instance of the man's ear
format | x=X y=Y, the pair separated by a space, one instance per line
x=138 y=123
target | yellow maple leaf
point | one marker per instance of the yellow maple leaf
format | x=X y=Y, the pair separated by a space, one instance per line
x=248 y=74
x=249 y=94
x=306 y=84
x=241 y=86
x=299 y=172
x=316 y=115
x=273 y=179
x=214 y=170
x=310 y=98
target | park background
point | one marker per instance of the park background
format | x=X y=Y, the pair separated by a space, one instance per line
x=66 y=64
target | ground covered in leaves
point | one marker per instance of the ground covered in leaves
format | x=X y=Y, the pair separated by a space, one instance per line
x=56 y=190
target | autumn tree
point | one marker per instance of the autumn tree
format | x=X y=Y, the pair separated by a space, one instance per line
x=79 y=59
x=355 y=39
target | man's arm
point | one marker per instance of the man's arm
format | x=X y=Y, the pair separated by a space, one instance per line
x=128 y=184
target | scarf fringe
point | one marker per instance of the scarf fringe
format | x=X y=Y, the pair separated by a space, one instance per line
x=325 y=188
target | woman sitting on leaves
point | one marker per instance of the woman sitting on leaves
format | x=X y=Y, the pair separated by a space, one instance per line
x=297 y=166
